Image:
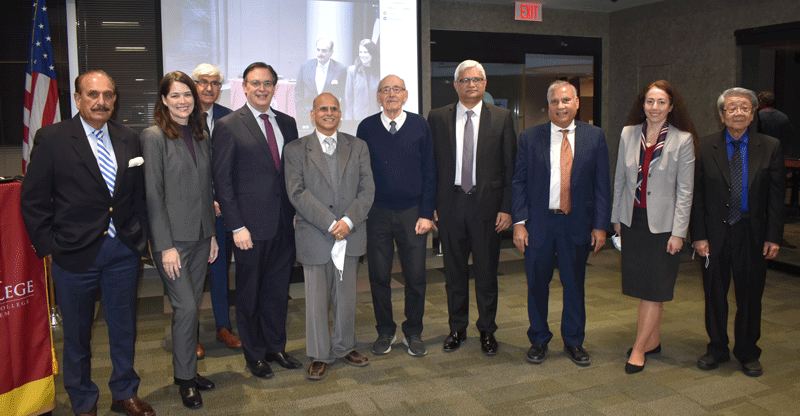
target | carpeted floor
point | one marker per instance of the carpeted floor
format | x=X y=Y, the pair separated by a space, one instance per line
x=466 y=382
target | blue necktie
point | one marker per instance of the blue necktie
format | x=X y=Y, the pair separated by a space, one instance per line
x=108 y=171
x=393 y=128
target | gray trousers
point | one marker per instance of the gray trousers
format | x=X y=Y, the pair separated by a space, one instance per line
x=185 y=293
x=325 y=291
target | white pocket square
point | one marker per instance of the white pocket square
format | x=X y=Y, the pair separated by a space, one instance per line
x=137 y=161
x=335 y=82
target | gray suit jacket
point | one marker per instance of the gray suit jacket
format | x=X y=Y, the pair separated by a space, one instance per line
x=308 y=184
x=670 y=182
x=179 y=198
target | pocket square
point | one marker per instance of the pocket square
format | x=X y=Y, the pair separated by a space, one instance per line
x=335 y=82
x=137 y=161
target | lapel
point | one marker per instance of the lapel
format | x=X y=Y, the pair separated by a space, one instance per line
x=120 y=145
x=252 y=125
x=451 y=127
x=343 y=150
x=635 y=151
x=81 y=145
x=484 y=138
x=314 y=150
x=543 y=141
x=719 y=154
x=328 y=78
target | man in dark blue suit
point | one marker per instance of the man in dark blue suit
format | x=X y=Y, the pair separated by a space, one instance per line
x=83 y=203
x=560 y=203
x=208 y=80
x=251 y=191
x=317 y=76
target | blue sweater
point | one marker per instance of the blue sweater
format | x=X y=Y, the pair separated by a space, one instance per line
x=402 y=164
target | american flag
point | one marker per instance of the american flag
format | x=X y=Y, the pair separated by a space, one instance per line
x=41 y=89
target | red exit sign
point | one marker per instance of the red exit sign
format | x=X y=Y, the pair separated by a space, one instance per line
x=528 y=11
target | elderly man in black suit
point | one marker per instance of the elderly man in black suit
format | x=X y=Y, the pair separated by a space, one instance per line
x=737 y=224
x=83 y=203
x=473 y=199
x=249 y=185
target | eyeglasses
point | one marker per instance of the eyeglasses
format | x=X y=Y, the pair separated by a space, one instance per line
x=734 y=109
x=475 y=80
x=204 y=83
x=386 y=90
x=257 y=84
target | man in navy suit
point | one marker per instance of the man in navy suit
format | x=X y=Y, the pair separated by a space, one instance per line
x=83 y=203
x=251 y=191
x=208 y=80
x=560 y=198
x=316 y=76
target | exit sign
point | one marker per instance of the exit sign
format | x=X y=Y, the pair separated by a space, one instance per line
x=528 y=11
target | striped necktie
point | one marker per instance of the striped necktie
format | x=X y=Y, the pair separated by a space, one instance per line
x=109 y=172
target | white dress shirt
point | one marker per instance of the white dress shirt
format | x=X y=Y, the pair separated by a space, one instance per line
x=273 y=122
x=555 y=160
x=322 y=74
x=210 y=119
x=106 y=141
x=461 y=120
x=398 y=121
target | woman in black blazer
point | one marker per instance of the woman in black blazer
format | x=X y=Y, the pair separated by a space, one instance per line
x=180 y=208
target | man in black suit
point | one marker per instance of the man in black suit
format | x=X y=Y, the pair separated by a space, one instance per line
x=208 y=80
x=737 y=222
x=473 y=199
x=83 y=204
x=250 y=188
x=316 y=76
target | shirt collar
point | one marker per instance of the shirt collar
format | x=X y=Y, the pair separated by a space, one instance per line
x=90 y=130
x=461 y=109
x=399 y=119
x=257 y=113
x=554 y=128
x=321 y=137
x=729 y=139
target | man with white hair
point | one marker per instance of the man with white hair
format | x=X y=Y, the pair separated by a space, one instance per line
x=208 y=79
x=473 y=199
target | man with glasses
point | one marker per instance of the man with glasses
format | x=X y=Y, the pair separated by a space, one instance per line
x=250 y=187
x=208 y=80
x=737 y=224
x=474 y=144
x=401 y=152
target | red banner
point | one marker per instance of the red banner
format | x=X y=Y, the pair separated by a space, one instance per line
x=26 y=360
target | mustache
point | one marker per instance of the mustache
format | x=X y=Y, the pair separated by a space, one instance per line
x=101 y=108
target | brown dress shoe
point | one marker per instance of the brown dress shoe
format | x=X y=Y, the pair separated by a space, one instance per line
x=132 y=407
x=200 y=353
x=92 y=412
x=356 y=358
x=317 y=370
x=229 y=338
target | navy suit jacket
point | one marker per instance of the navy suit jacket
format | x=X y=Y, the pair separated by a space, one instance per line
x=250 y=190
x=590 y=184
x=219 y=112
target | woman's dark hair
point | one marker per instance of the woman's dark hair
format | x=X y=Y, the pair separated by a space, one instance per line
x=161 y=112
x=678 y=117
x=375 y=63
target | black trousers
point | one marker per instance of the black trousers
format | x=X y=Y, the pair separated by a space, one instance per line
x=740 y=256
x=462 y=232
x=385 y=227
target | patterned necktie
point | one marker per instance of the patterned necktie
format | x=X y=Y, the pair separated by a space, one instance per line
x=466 y=155
x=330 y=145
x=735 y=210
x=393 y=128
x=273 y=143
x=566 y=172
x=108 y=171
x=205 y=123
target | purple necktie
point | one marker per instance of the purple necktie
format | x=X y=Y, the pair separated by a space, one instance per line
x=273 y=143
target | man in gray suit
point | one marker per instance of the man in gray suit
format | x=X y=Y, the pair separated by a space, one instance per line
x=329 y=182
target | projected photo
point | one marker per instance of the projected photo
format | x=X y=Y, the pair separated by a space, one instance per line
x=341 y=47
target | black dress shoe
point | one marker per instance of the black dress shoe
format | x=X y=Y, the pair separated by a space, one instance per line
x=284 y=360
x=633 y=368
x=453 y=341
x=536 y=353
x=655 y=350
x=201 y=382
x=578 y=355
x=190 y=395
x=488 y=343
x=259 y=369
x=752 y=368
x=710 y=361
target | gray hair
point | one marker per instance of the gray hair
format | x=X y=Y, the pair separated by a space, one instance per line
x=738 y=92
x=207 y=70
x=558 y=84
x=469 y=63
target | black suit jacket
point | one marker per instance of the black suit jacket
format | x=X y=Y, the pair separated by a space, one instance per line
x=765 y=189
x=250 y=190
x=305 y=91
x=494 y=165
x=66 y=205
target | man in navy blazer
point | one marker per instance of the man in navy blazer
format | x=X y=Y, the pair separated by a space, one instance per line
x=251 y=191
x=208 y=80
x=317 y=76
x=94 y=224
x=551 y=219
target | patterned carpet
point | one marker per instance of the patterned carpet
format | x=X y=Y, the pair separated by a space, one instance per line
x=468 y=383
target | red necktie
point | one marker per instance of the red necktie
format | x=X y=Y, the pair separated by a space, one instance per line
x=566 y=172
x=273 y=143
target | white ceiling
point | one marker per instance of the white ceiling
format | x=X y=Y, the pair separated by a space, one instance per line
x=587 y=5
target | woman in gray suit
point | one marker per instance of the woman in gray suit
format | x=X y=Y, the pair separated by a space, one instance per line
x=652 y=201
x=180 y=208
